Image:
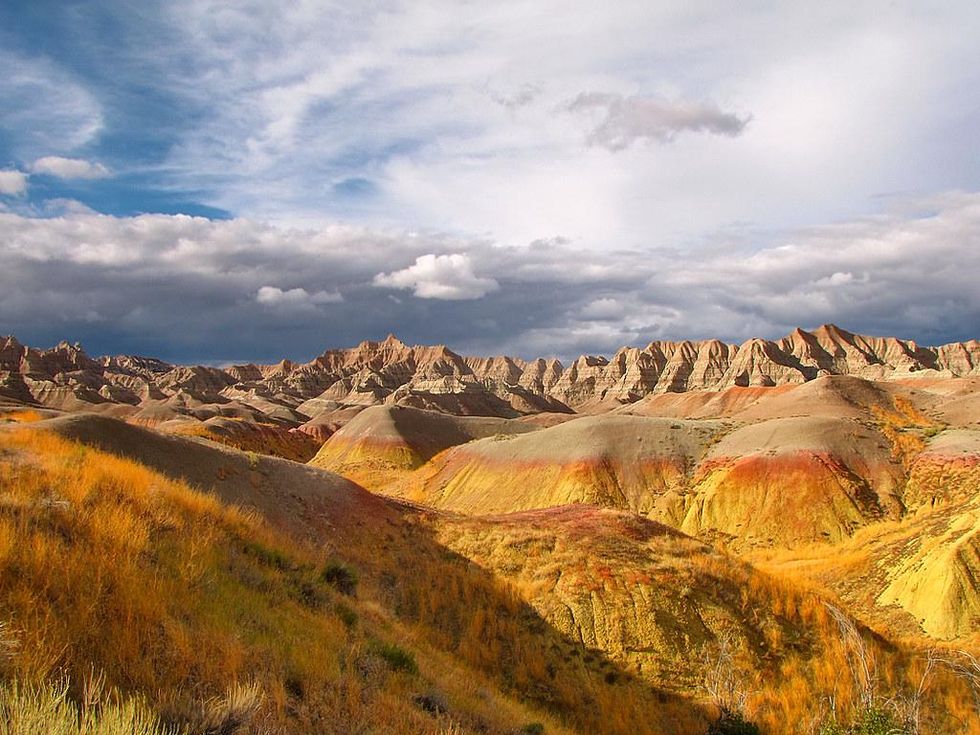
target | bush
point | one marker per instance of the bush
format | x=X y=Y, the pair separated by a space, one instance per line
x=832 y=728
x=434 y=702
x=733 y=724
x=533 y=728
x=347 y=616
x=876 y=721
x=341 y=577
x=872 y=721
x=397 y=658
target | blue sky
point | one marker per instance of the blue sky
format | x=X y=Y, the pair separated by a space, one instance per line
x=220 y=181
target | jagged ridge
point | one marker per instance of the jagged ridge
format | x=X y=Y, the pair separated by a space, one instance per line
x=322 y=394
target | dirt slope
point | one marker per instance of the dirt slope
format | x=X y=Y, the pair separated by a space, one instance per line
x=627 y=462
x=383 y=442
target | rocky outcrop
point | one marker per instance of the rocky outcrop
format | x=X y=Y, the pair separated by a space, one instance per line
x=434 y=377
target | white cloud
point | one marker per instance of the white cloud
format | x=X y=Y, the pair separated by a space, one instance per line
x=625 y=120
x=296 y=297
x=474 y=135
x=13 y=183
x=44 y=106
x=913 y=273
x=69 y=168
x=604 y=308
x=447 y=277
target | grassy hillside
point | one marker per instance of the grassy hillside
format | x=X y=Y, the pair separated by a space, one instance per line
x=181 y=598
x=678 y=612
x=187 y=585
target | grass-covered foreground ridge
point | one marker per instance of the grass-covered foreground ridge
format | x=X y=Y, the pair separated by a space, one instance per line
x=178 y=603
x=287 y=600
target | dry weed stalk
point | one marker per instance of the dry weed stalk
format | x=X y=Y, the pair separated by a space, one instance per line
x=860 y=657
x=721 y=680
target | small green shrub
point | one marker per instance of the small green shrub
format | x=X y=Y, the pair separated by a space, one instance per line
x=341 y=577
x=832 y=728
x=265 y=555
x=397 y=658
x=876 y=721
x=347 y=616
x=872 y=721
x=533 y=728
x=732 y=723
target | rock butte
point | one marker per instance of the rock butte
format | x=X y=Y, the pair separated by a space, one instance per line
x=322 y=394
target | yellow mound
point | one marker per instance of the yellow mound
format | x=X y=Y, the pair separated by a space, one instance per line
x=383 y=442
x=627 y=462
x=792 y=480
x=783 y=481
x=939 y=583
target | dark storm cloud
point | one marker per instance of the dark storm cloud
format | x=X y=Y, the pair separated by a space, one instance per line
x=195 y=289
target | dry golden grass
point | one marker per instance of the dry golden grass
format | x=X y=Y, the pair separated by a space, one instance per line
x=173 y=595
x=21 y=416
x=904 y=427
x=177 y=596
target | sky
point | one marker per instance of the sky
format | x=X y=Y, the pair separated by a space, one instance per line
x=211 y=181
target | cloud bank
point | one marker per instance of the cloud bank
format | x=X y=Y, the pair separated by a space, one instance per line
x=194 y=289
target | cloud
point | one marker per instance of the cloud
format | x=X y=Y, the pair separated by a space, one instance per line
x=626 y=120
x=602 y=309
x=839 y=279
x=45 y=107
x=69 y=168
x=282 y=113
x=446 y=277
x=296 y=297
x=188 y=288
x=523 y=96
x=13 y=183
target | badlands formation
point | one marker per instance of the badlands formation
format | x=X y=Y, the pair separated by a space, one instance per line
x=644 y=507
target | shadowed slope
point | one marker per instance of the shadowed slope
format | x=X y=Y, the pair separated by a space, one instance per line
x=383 y=442
x=411 y=586
x=653 y=598
x=295 y=497
x=663 y=605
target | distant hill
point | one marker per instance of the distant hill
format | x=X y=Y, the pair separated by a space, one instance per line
x=319 y=396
